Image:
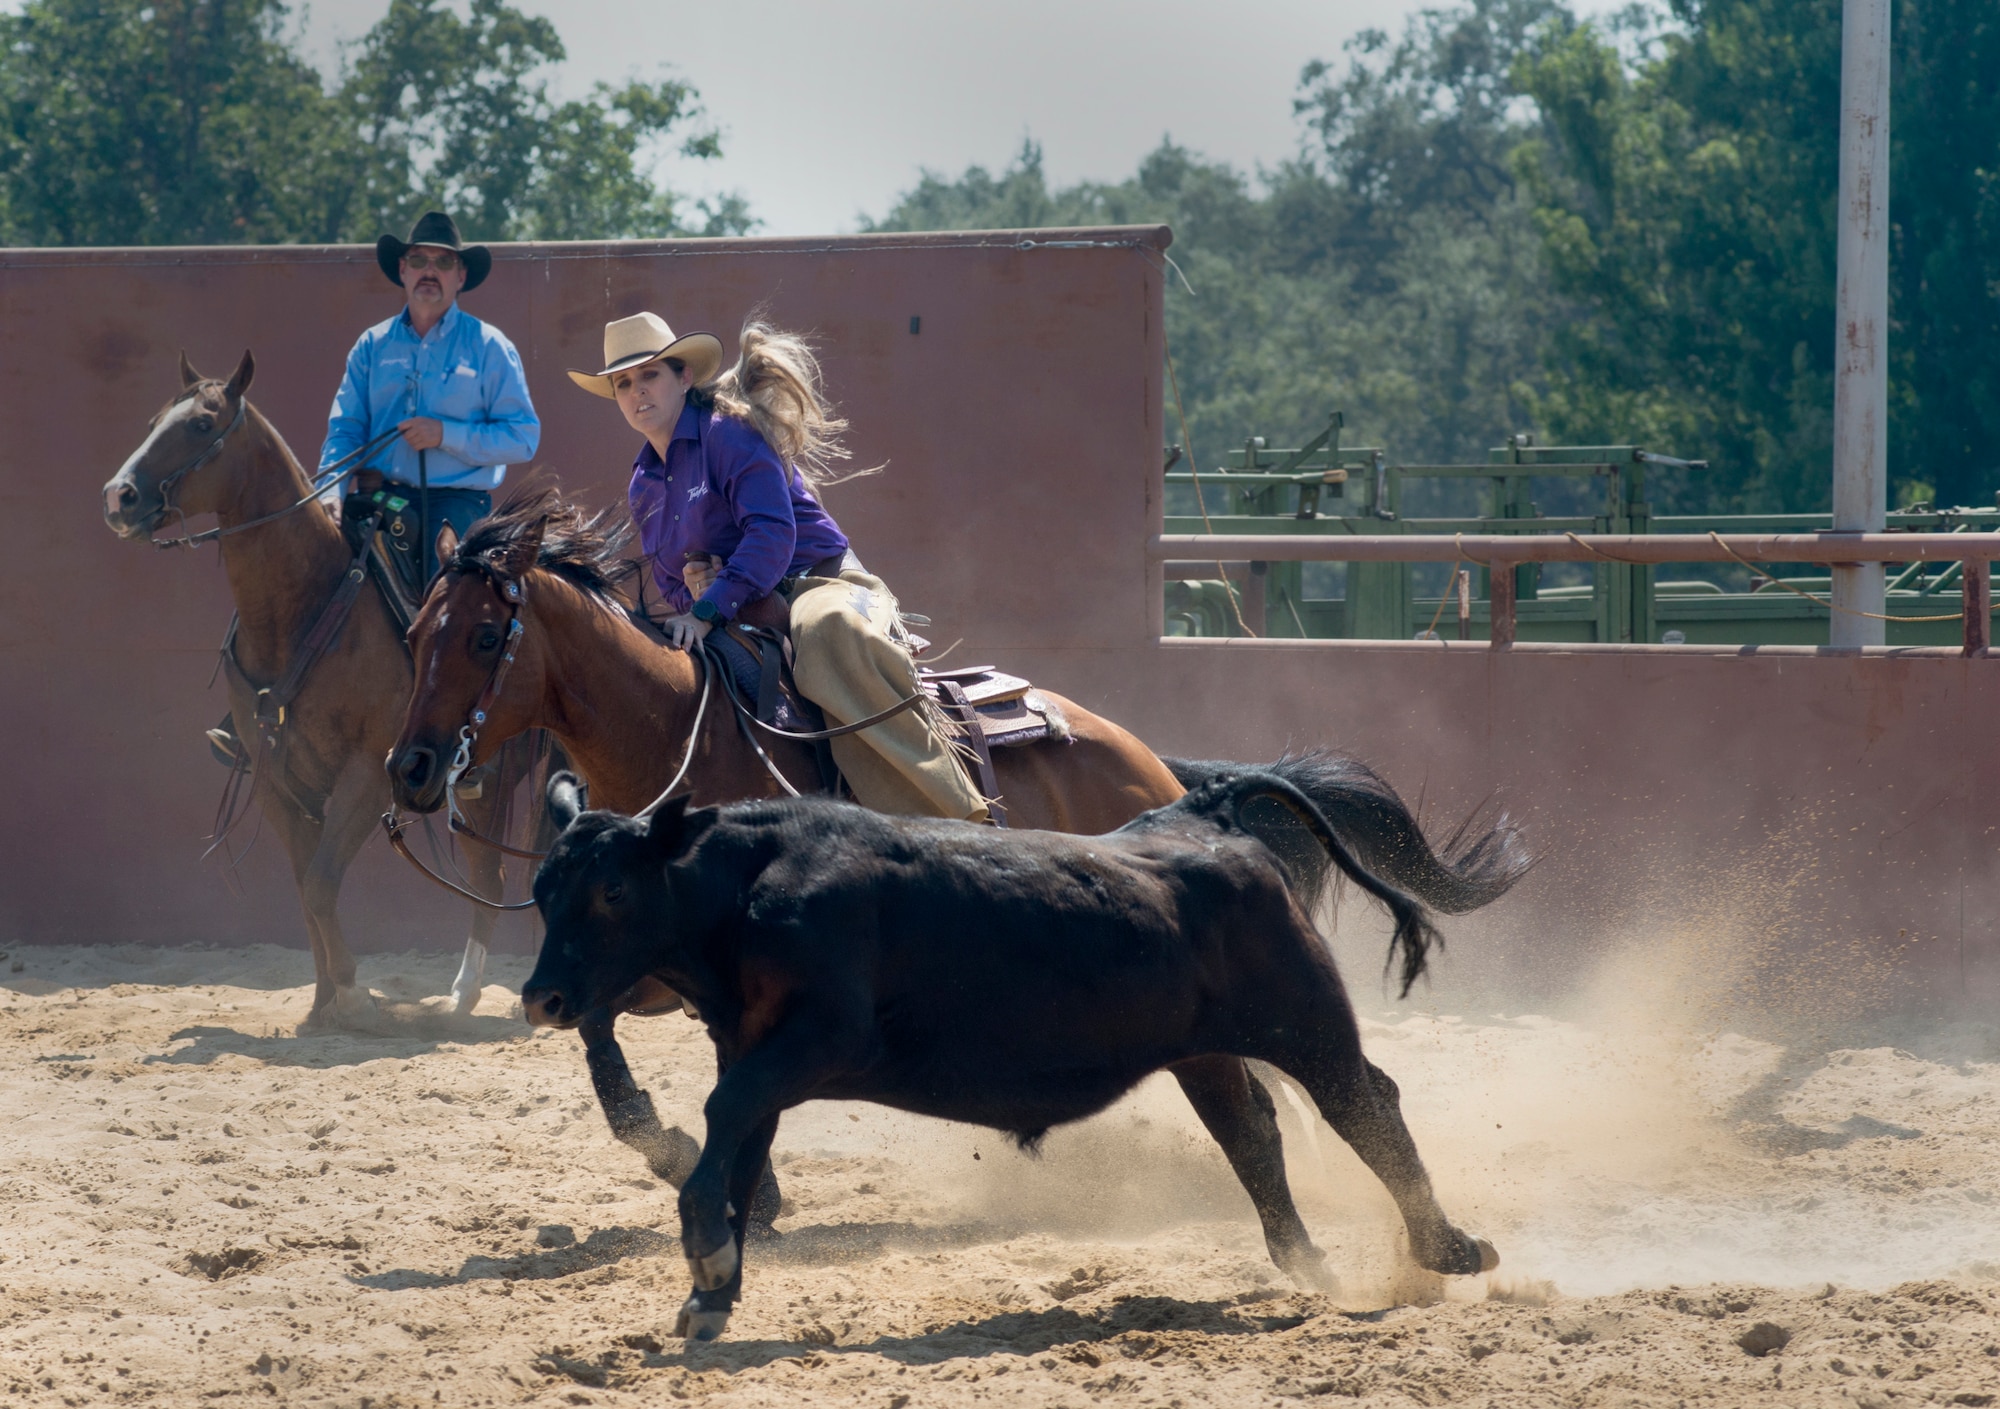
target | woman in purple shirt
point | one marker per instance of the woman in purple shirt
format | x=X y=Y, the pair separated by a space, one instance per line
x=729 y=469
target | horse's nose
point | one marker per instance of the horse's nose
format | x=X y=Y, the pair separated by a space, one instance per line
x=543 y=1007
x=119 y=497
x=413 y=767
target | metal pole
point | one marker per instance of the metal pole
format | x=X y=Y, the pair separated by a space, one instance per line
x=1978 y=587
x=1861 y=315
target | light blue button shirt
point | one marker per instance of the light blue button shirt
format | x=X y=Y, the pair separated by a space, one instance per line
x=464 y=373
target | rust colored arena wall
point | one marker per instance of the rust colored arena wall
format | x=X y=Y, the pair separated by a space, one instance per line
x=1831 y=818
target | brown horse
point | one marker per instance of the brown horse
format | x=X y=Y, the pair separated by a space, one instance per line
x=624 y=708
x=208 y=451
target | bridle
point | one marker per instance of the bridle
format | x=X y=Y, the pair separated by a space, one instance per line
x=202 y=457
x=322 y=481
x=515 y=594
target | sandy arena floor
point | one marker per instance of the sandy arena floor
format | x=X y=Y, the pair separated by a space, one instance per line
x=197 y=1205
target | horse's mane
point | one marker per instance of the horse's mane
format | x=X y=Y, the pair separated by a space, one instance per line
x=584 y=549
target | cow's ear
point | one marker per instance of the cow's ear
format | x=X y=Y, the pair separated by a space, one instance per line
x=674 y=827
x=566 y=800
x=664 y=826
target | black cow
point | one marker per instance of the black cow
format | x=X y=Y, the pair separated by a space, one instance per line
x=1016 y=980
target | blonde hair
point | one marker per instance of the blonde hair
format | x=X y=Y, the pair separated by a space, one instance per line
x=776 y=386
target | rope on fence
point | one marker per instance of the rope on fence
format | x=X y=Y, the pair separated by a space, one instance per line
x=1829 y=604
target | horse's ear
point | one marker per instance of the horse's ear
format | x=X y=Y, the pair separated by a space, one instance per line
x=188 y=374
x=673 y=828
x=517 y=557
x=239 y=380
x=566 y=800
x=447 y=544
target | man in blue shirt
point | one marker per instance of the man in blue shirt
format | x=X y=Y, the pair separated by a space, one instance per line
x=450 y=383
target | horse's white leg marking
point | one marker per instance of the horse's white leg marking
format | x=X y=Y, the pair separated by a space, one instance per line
x=471 y=980
x=354 y=1006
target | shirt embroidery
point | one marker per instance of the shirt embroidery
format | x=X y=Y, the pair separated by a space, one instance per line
x=697 y=491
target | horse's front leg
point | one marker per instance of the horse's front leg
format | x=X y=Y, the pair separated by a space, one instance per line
x=670 y=1154
x=350 y=815
x=486 y=869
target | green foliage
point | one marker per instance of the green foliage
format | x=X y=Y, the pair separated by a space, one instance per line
x=1388 y=271
x=1685 y=190
x=1609 y=233
x=177 y=122
x=195 y=121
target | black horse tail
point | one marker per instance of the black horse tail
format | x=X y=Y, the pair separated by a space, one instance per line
x=1474 y=866
x=1262 y=803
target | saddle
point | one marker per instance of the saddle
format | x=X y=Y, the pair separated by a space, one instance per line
x=386 y=523
x=981 y=707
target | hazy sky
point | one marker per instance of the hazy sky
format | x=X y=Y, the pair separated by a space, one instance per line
x=829 y=110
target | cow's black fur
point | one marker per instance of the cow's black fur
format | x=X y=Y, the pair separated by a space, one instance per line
x=1016 y=980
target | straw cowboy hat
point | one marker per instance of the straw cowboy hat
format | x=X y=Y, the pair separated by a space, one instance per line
x=438 y=229
x=645 y=337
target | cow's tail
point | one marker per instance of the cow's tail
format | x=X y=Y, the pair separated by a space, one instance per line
x=1476 y=864
x=1268 y=806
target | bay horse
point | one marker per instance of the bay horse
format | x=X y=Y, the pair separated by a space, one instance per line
x=209 y=451
x=623 y=707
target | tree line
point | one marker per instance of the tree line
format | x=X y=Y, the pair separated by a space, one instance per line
x=1508 y=219
x=1503 y=218
x=134 y=122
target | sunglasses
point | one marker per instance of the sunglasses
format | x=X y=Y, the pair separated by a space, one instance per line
x=444 y=261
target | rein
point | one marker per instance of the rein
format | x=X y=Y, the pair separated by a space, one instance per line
x=339 y=470
x=813 y=736
x=395 y=824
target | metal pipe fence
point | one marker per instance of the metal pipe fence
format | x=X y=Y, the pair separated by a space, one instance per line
x=1976 y=551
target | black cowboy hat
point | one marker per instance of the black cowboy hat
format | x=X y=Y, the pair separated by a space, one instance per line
x=436 y=228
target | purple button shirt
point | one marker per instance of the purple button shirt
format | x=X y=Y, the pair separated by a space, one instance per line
x=724 y=491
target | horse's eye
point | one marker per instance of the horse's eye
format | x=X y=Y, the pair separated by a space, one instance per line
x=202 y=424
x=489 y=640
x=613 y=893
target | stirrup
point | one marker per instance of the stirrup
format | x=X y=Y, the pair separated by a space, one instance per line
x=223 y=745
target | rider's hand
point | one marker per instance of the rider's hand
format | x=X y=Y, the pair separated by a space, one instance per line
x=422 y=432
x=684 y=632
x=699 y=574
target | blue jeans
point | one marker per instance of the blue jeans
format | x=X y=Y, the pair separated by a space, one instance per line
x=458 y=507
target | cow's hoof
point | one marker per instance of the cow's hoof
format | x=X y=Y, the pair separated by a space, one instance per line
x=1312 y=1273
x=1460 y=1255
x=1489 y=1256
x=697 y=1324
x=714 y=1269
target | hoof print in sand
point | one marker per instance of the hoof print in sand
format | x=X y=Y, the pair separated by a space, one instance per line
x=217 y=1265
